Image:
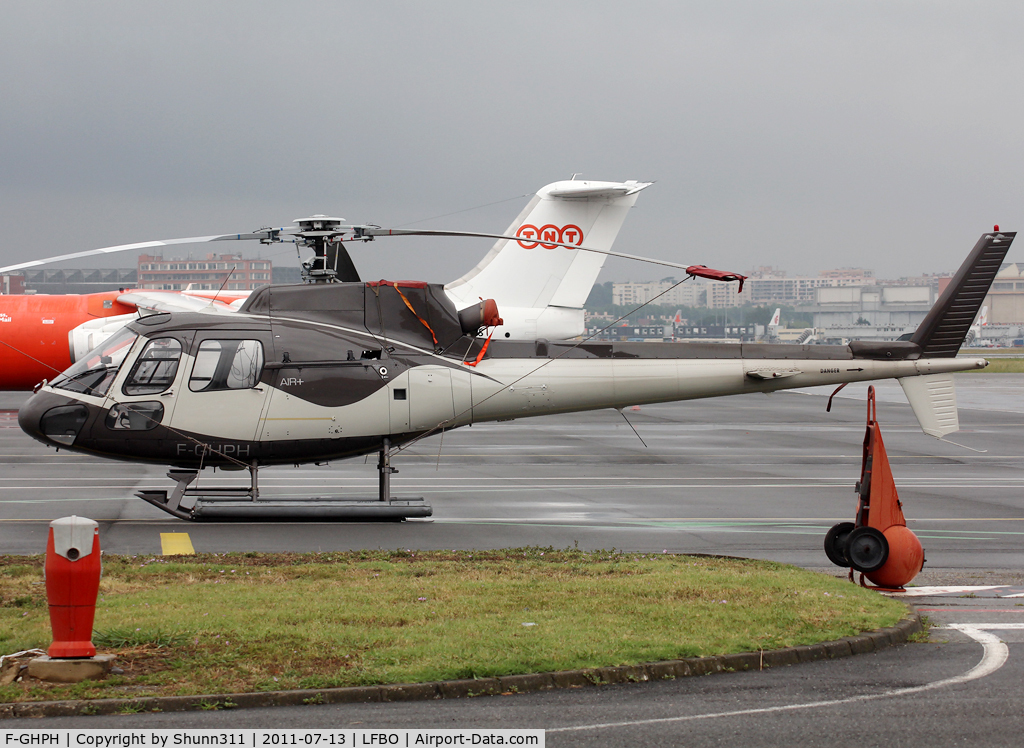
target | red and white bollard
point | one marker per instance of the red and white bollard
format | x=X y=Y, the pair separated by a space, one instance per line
x=72 y=583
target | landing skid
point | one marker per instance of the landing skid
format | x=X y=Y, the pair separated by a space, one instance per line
x=244 y=502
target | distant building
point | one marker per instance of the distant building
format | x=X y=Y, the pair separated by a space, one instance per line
x=663 y=332
x=724 y=295
x=766 y=286
x=636 y=332
x=1006 y=297
x=177 y=273
x=634 y=293
x=81 y=280
x=741 y=333
x=935 y=281
x=862 y=273
x=886 y=312
x=12 y=284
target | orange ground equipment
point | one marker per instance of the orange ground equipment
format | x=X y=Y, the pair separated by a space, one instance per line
x=878 y=544
x=72 y=583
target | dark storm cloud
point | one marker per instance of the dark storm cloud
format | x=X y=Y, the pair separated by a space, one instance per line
x=802 y=135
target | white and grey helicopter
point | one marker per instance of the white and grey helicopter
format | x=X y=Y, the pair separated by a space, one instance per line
x=339 y=368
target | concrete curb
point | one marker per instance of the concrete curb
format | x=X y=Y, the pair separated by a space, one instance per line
x=505 y=684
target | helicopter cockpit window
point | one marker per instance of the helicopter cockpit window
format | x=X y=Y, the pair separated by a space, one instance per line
x=93 y=373
x=227 y=365
x=155 y=368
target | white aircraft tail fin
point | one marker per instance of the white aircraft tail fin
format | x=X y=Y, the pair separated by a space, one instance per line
x=974 y=333
x=933 y=400
x=540 y=289
x=774 y=324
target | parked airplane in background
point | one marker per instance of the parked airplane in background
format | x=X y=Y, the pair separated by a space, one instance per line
x=771 y=332
x=41 y=335
x=541 y=292
x=974 y=335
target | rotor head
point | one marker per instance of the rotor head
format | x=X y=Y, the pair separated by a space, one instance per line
x=330 y=261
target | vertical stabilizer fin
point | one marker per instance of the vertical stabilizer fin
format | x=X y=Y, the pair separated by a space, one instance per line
x=933 y=399
x=541 y=288
x=942 y=332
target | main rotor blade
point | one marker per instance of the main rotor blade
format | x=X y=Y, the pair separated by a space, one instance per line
x=266 y=234
x=532 y=240
x=273 y=234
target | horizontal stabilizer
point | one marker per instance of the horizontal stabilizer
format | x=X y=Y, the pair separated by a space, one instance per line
x=933 y=399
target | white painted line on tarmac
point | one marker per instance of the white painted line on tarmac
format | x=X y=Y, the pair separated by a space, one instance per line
x=993 y=658
x=928 y=591
x=985 y=626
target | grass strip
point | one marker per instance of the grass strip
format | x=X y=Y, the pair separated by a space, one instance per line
x=1000 y=366
x=250 y=622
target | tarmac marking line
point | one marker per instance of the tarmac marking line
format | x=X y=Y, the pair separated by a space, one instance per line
x=958 y=609
x=994 y=656
x=923 y=591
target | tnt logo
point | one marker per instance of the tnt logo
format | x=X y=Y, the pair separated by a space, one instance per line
x=533 y=236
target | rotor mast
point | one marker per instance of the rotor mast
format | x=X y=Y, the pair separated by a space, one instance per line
x=330 y=262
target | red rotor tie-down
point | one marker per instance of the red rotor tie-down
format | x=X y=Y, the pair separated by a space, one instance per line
x=703 y=271
x=412 y=284
x=483 y=350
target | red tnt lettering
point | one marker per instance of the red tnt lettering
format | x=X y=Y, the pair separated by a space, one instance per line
x=549 y=236
x=571 y=235
x=527 y=232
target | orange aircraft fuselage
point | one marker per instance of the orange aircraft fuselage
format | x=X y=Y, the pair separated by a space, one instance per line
x=34 y=333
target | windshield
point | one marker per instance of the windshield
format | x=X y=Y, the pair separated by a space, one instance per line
x=93 y=373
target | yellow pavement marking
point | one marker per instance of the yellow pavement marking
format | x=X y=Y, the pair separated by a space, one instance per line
x=176 y=544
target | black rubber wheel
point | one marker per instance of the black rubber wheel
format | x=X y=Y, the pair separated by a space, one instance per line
x=835 y=543
x=867 y=549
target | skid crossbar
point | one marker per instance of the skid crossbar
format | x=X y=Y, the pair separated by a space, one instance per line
x=245 y=503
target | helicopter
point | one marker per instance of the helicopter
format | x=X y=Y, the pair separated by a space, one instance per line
x=339 y=367
x=541 y=292
x=303 y=374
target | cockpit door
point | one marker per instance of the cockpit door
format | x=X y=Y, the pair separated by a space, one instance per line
x=219 y=395
x=155 y=372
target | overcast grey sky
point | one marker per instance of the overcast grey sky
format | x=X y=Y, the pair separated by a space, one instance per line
x=804 y=135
